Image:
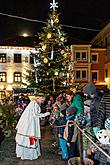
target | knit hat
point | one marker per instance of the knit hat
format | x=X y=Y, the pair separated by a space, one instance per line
x=71 y=110
x=89 y=89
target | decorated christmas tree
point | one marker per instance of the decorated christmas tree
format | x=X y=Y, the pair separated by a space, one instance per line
x=52 y=60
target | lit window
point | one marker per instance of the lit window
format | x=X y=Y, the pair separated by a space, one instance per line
x=2 y=76
x=17 y=77
x=3 y=58
x=17 y=58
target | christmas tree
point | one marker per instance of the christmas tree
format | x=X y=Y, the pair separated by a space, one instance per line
x=52 y=60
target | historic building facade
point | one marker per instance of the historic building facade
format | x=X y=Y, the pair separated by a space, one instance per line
x=103 y=39
x=14 y=62
x=89 y=64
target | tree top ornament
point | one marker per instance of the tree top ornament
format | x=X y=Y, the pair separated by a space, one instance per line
x=54 y=5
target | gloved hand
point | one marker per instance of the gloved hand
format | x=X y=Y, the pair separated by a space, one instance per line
x=95 y=130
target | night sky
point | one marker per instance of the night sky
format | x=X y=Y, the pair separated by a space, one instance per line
x=92 y=14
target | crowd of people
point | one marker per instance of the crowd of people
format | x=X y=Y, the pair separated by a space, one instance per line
x=89 y=107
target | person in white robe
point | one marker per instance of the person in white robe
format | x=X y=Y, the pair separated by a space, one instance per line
x=28 y=131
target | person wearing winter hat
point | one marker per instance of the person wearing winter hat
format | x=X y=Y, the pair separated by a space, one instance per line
x=62 y=123
x=69 y=135
x=91 y=105
x=89 y=89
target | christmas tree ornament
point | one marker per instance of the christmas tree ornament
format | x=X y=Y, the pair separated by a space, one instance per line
x=48 y=64
x=56 y=73
x=56 y=20
x=47 y=73
x=49 y=35
x=54 y=5
x=62 y=51
x=45 y=60
x=62 y=39
x=51 y=22
x=52 y=54
x=43 y=47
x=68 y=75
x=65 y=55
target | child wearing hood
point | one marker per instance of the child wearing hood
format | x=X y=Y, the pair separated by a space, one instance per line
x=69 y=133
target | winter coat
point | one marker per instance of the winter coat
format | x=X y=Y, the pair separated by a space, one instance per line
x=70 y=132
x=78 y=103
x=103 y=110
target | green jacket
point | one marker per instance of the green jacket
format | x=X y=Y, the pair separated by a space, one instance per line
x=78 y=103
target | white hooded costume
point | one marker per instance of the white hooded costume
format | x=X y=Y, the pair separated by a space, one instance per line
x=29 y=127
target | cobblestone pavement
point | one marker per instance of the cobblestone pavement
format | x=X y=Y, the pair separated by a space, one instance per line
x=49 y=156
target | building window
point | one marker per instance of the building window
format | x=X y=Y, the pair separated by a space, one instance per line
x=26 y=59
x=84 y=75
x=77 y=55
x=81 y=74
x=78 y=77
x=94 y=58
x=17 y=58
x=3 y=58
x=82 y=55
x=94 y=76
x=31 y=60
x=17 y=77
x=8 y=59
x=2 y=76
x=106 y=73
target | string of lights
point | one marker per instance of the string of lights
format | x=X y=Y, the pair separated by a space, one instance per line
x=38 y=21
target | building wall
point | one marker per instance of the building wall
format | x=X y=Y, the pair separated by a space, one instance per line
x=107 y=74
x=89 y=65
x=10 y=67
x=81 y=65
x=99 y=64
x=103 y=39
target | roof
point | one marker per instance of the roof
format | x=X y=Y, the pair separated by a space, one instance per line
x=19 y=41
x=97 y=46
x=31 y=41
x=76 y=41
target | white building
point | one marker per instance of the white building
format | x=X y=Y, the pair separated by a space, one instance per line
x=14 y=59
